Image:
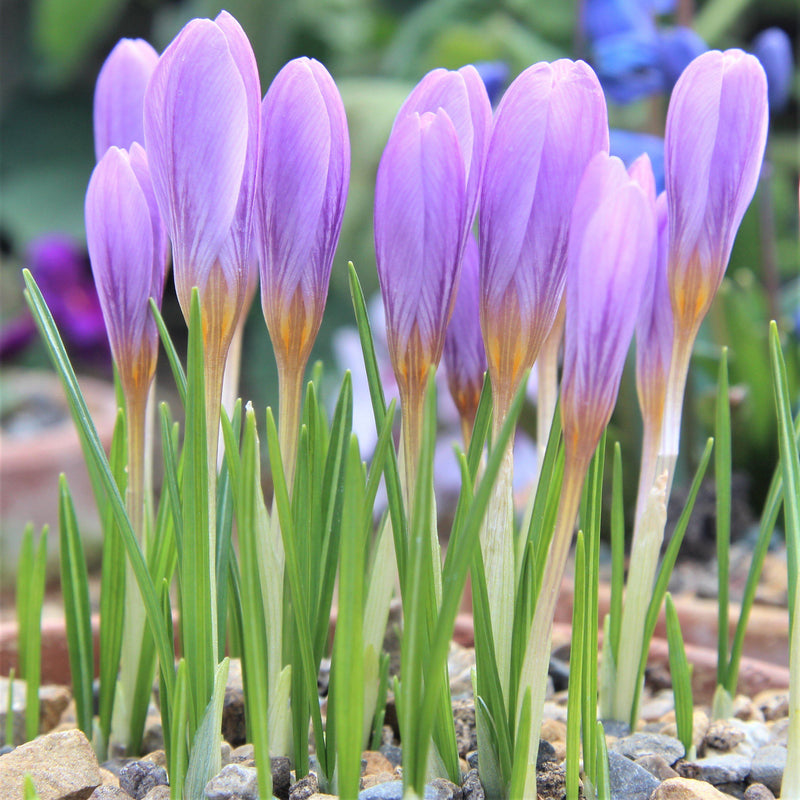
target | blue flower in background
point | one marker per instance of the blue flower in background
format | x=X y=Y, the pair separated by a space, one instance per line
x=677 y=48
x=494 y=75
x=773 y=48
x=629 y=145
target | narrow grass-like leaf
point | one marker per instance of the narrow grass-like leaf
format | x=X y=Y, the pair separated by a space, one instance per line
x=522 y=742
x=10 y=716
x=665 y=570
x=197 y=604
x=617 y=553
x=98 y=466
x=254 y=638
x=769 y=516
x=392 y=474
x=603 y=786
x=112 y=591
x=348 y=644
x=179 y=749
x=29 y=789
x=172 y=354
x=576 y=666
x=205 y=755
x=681 y=677
x=78 y=613
x=298 y=592
x=376 y=739
x=481 y=426
x=722 y=476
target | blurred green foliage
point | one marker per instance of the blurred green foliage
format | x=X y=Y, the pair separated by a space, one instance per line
x=51 y=51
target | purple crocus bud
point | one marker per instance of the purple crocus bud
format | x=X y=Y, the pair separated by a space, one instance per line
x=629 y=145
x=126 y=238
x=773 y=48
x=714 y=145
x=609 y=252
x=549 y=124
x=464 y=354
x=119 y=95
x=302 y=190
x=463 y=96
x=201 y=130
x=420 y=206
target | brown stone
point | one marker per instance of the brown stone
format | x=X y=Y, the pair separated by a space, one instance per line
x=757 y=791
x=109 y=793
x=723 y=736
x=657 y=765
x=53 y=702
x=63 y=767
x=157 y=793
x=687 y=789
x=108 y=778
x=375 y=763
x=553 y=730
x=374 y=778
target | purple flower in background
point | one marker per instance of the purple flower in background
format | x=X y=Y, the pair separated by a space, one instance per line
x=420 y=209
x=201 y=131
x=119 y=95
x=464 y=354
x=714 y=145
x=609 y=254
x=126 y=241
x=677 y=48
x=494 y=75
x=463 y=96
x=302 y=190
x=773 y=48
x=629 y=145
x=549 y=124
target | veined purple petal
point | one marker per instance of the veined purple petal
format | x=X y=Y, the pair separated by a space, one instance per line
x=462 y=94
x=237 y=254
x=654 y=326
x=714 y=146
x=196 y=133
x=549 y=124
x=119 y=233
x=302 y=189
x=119 y=95
x=420 y=205
x=609 y=254
x=464 y=354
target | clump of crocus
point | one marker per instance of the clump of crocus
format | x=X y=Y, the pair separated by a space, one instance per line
x=464 y=354
x=611 y=237
x=119 y=95
x=549 y=124
x=714 y=147
x=302 y=189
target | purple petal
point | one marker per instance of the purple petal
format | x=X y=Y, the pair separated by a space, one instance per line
x=119 y=233
x=419 y=219
x=196 y=132
x=119 y=95
x=303 y=185
x=715 y=139
x=550 y=123
x=609 y=253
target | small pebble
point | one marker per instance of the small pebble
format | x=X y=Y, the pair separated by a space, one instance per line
x=281 y=776
x=138 y=777
x=721 y=768
x=158 y=793
x=687 y=789
x=444 y=789
x=393 y=754
x=546 y=753
x=768 y=766
x=245 y=752
x=393 y=790
x=158 y=757
x=472 y=788
x=304 y=788
x=723 y=735
x=109 y=793
x=233 y=779
x=616 y=728
x=757 y=791
x=656 y=765
x=551 y=781
x=645 y=744
x=628 y=780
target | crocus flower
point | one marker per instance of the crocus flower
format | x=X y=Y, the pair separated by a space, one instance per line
x=463 y=96
x=119 y=95
x=420 y=206
x=715 y=138
x=464 y=354
x=629 y=145
x=773 y=48
x=611 y=240
x=201 y=132
x=302 y=189
x=126 y=241
x=549 y=124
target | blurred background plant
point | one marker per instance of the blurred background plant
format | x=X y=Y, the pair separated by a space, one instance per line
x=51 y=51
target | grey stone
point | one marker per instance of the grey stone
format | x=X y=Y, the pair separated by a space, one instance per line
x=233 y=722
x=138 y=777
x=233 y=779
x=281 y=776
x=657 y=766
x=716 y=769
x=551 y=781
x=114 y=765
x=109 y=793
x=392 y=753
x=304 y=788
x=62 y=764
x=153 y=737
x=472 y=759
x=393 y=790
x=768 y=766
x=245 y=752
x=472 y=788
x=444 y=789
x=629 y=781
x=647 y=744
x=616 y=727
x=757 y=791
x=546 y=753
